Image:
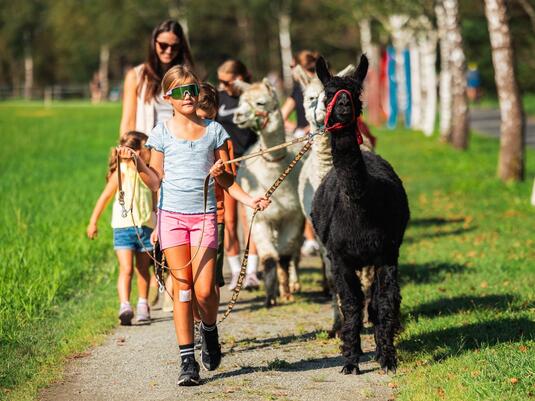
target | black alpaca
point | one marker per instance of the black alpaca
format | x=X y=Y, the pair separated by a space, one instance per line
x=360 y=212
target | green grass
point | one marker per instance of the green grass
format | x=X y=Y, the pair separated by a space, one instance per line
x=467 y=272
x=467 y=265
x=56 y=286
x=528 y=100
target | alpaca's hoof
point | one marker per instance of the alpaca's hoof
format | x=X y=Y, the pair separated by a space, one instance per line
x=334 y=333
x=350 y=369
x=295 y=287
x=269 y=302
x=287 y=298
x=388 y=363
x=392 y=370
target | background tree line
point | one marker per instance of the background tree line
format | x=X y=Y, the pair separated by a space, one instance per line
x=63 y=40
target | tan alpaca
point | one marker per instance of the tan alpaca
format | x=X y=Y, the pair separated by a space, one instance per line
x=278 y=231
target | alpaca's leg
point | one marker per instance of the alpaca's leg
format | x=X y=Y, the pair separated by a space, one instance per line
x=295 y=285
x=384 y=313
x=366 y=276
x=351 y=303
x=284 y=278
x=337 y=315
x=270 y=281
x=269 y=259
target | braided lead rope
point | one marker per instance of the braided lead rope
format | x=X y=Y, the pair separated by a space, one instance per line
x=269 y=193
x=161 y=265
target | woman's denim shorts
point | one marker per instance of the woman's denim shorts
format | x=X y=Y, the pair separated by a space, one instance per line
x=126 y=238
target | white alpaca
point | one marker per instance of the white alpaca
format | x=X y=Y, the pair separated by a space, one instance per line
x=278 y=230
x=320 y=161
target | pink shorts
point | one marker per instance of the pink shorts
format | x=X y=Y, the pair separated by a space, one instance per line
x=176 y=229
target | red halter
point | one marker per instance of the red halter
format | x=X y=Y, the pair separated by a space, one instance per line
x=339 y=126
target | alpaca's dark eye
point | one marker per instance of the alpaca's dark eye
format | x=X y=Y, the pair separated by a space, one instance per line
x=259 y=103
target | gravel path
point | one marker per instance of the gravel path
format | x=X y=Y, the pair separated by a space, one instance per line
x=282 y=353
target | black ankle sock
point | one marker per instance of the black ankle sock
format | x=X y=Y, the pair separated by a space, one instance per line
x=208 y=328
x=186 y=350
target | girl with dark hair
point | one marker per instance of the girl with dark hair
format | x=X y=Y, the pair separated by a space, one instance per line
x=143 y=104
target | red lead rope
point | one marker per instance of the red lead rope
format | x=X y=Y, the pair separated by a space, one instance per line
x=360 y=127
x=339 y=126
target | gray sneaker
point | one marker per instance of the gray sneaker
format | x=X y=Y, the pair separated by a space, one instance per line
x=125 y=315
x=143 y=313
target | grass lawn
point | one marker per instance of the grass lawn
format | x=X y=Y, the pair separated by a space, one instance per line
x=57 y=288
x=467 y=272
x=467 y=265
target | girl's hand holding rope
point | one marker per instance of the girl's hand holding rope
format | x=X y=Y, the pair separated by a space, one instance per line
x=259 y=203
x=217 y=169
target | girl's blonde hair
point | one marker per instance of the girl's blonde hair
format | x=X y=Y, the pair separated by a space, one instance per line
x=177 y=75
x=132 y=139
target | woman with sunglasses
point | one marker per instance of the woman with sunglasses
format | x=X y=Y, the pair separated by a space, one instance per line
x=242 y=139
x=143 y=103
x=184 y=150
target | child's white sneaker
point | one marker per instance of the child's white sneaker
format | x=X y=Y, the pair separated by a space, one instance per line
x=126 y=314
x=143 y=312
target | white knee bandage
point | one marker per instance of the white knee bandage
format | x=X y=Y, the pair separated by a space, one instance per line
x=184 y=295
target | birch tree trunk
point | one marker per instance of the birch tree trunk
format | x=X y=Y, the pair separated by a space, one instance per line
x=428 y=50
x=372 y=78
x=103 y=71
x=416 y=86
x=460 y=123
x=512 y=147
x=285 y=45
x=28 y=68
x=445 y=76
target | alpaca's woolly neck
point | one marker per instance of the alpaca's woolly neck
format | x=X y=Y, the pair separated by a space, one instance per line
x=272 y=135
x=349 y=163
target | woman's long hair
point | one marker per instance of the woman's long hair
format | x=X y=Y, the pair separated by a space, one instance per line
x=132 y=139
x=153 y=69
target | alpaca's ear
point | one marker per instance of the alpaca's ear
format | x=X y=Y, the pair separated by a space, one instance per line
x=362 y=69
x=299 y=74
x=242 y=86
x=348 y=71
x=268 y=85
x=322 y=71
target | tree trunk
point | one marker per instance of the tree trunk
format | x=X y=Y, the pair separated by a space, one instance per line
x=511 y=160
x=104 y=85
x=28 y=69
x=400 y=39
x=416 y=87
x=249 y=47
x=445 y=76
x=460 y=124
x=428 y=51
x=286 y=46
x=373 y=95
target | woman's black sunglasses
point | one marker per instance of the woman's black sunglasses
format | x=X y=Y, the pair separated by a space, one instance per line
x=164 y=46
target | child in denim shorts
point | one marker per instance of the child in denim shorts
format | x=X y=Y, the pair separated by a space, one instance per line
x=126 y=242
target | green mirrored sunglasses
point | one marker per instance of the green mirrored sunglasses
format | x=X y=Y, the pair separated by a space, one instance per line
x=179 y=92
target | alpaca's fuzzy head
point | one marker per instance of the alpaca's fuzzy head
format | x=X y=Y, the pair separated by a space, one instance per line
x=256 y=100
x=342 y=111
